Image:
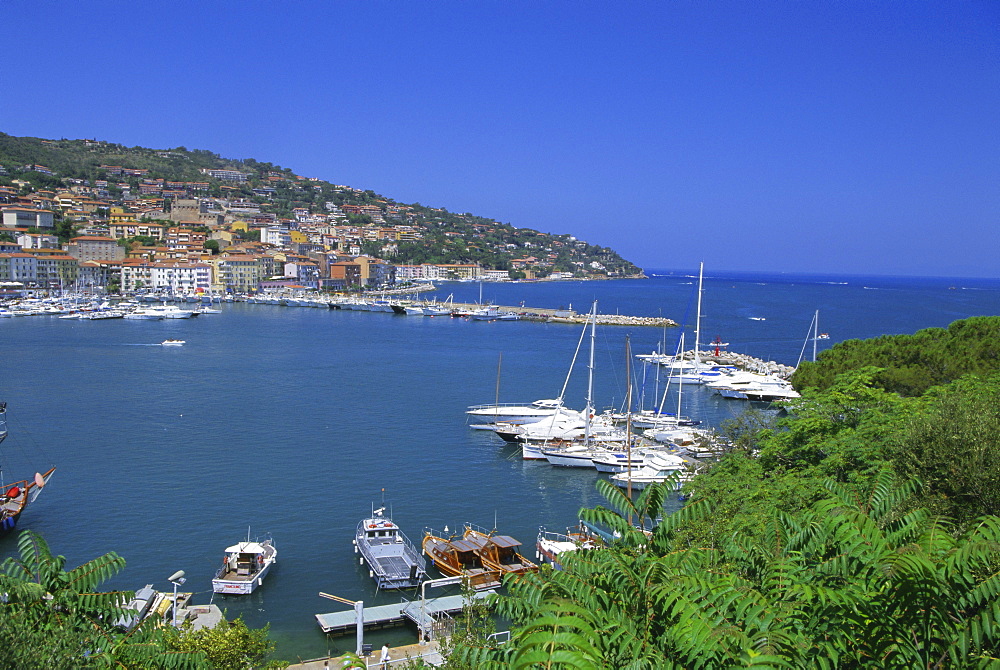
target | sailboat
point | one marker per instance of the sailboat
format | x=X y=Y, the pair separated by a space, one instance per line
x=581 y=454
x=14 y=497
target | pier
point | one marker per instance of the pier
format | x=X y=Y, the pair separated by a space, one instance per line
x=422 y=613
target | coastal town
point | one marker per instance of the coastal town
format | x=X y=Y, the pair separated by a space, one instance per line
x=101 y=226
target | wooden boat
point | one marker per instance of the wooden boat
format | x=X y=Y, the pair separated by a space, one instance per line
x=393 y=561
x=498 y=552
x=244 y=567
x=458 y=557
x=15 y=496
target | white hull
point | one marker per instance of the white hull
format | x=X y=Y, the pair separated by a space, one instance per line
x=241 y=587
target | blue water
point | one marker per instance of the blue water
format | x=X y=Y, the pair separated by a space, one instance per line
x=292 y=421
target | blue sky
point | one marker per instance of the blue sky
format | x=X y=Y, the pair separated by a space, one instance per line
x=857 y=137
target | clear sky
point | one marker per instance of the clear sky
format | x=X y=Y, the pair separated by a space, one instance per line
x=826 y=136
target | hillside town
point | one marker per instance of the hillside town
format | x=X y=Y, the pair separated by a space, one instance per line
x=111 y=227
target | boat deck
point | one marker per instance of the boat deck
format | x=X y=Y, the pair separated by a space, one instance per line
x=385 y=615
x=396 y=564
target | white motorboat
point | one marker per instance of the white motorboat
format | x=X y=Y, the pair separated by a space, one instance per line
x=172 y=343
x=620 y=461
x=244 y=567
x=515 y=412
x=143 y=315
x=393 y=561
x=551 y=547
x=579 y=455
x=657 y=469
x=172 y=311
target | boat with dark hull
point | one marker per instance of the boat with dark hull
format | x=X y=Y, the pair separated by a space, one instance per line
x=393 y=561
x=15 y=496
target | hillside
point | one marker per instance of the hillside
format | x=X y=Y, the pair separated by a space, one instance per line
x=441 y=236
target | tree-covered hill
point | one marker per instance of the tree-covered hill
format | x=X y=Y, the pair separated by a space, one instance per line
x=910 y=364
x=445 y=237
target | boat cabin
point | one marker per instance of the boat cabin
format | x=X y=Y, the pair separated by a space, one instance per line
x=500 y=552
x=245 y=559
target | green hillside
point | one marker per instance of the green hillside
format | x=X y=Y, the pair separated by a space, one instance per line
x=446 y=237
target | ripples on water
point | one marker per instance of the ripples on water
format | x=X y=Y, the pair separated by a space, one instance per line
x=292 y=420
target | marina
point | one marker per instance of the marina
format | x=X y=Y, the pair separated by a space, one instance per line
x=321 y=400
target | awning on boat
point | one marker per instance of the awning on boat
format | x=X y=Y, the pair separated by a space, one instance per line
x=246 y=548
x=464 y=545
x=504 y=541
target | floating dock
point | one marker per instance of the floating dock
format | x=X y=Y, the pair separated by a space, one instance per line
x=422 y=613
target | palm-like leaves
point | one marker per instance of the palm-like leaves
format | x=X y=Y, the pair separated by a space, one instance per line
x=66 y=604
x=854 y=582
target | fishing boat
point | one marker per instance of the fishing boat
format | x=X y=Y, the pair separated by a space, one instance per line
x=498 y=552
x=172 y=343
x=458 y=557
x=15 y=496
x=393 y=561
x=244 y=567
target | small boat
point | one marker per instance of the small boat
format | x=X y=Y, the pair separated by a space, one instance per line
x=15 y=496
x=655 y=469
x=244 y=567
x=757 y=318
x=498 y=552
x=821 y=336
x=172 y=343
x=458 y=557
x=550 y=546
x=393 y=561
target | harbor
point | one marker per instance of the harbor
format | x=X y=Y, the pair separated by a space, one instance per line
x=314 y=397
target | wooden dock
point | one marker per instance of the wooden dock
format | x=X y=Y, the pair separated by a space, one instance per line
x=380 y=616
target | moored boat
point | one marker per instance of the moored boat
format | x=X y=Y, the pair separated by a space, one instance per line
x=458 y=557
x=15 y=496
x=499 y=552
x=393 y=561
x=551 y=547
x=244 y=567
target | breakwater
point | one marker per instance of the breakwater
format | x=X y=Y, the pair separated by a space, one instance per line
x=742 y=361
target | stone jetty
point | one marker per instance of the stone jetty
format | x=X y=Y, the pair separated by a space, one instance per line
x=744 y=362
x=615 y=320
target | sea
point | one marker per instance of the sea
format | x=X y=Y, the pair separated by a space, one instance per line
x=294 y=422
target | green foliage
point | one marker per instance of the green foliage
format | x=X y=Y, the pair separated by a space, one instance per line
x=952 y=445
x=910 y=364
x=51 y=617
x=212 y=245
x=854 y=581
x=230 y=644
x=54 y=618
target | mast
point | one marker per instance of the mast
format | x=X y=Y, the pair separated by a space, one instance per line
x=815 y=333
x=496 y=404
x=697 y=320
x=590 y=375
